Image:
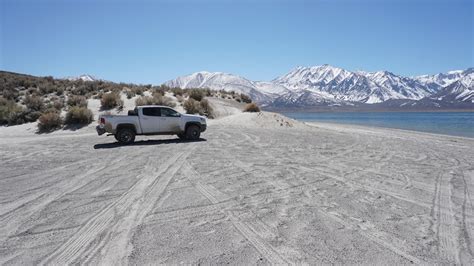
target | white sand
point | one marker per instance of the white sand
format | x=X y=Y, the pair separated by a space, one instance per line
x=262 y=188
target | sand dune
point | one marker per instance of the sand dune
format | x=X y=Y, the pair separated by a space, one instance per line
x=261 y=188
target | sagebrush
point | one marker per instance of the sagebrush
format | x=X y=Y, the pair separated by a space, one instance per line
x=252 y=107
x=78 y=115
x=50 y=121
x=110 y=101
x=156 y=99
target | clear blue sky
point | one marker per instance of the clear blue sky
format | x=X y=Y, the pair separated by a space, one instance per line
x=153 y=41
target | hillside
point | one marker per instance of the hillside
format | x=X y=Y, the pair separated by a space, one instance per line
x=75 y=102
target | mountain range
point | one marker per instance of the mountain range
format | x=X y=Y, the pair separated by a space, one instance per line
x=326 y=85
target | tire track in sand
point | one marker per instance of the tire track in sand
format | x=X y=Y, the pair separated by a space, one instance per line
x=44 y=197
x=448 y=245
x=215 y=197
x=467 y=211
x=129 y=209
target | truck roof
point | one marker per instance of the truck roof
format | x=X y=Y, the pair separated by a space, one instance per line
x=142 y=106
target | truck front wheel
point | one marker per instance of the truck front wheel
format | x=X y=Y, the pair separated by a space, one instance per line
x=193 y=132
x=125 y=136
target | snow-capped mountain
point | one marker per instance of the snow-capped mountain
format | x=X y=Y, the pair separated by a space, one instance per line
x=461 y=90
x=338 y=84
x=440 y=80
x=84 y=77
x=262 y=92
x=334 y=83
x=332 y=86
x=401 y=87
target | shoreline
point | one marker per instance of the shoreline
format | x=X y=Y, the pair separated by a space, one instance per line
x=380 y=125
x=355 y=110
x=401 y=130
x=349 y=127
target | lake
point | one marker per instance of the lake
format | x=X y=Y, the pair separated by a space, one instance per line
x=448 y=123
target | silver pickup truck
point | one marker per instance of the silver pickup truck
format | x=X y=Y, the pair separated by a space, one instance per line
x=151 y=120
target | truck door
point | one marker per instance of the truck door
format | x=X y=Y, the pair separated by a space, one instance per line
x=150 y=120
x=170 y=120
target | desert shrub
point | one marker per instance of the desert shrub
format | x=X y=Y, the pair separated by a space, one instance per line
x=177 y=92
x=32 y=90
x=130 y=94
x=59 y=91
x=49 y=121
x=46 y=89
x=245 y=98
x=33 y=102
x=31 y=115
x=166 y=101
x=98 y=95
x=252 y=107
x=11 y=94
x=206 y=109
x=156 y=99
x=78 y=115
x=58 y=104
x=8 y=110
x=83 y=88
x=158 y=92
x=194 y=107
x=180 y=98
x=197 y=94
x=22 y=116
x=144 y=100
x=191 y=106
x=111 y=100
x=76 y=100
x=138 y=90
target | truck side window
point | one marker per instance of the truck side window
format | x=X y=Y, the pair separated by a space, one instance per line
x=169 y=112
x=151 y=111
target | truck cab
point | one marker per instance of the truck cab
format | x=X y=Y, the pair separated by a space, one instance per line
x=152 y=120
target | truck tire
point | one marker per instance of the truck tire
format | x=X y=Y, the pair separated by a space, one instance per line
x=182 y=136
x=125 y=136
x=193 y=132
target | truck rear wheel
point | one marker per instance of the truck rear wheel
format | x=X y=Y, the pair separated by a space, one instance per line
x=125 y=136
x=193 y=132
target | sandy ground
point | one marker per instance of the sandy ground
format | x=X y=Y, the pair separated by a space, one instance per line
x=258 y=189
